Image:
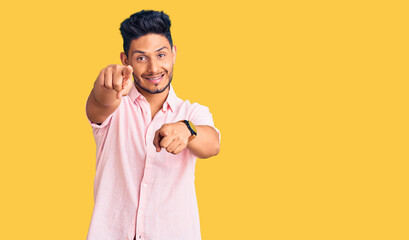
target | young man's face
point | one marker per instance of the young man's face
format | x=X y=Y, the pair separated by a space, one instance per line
x=152 y=59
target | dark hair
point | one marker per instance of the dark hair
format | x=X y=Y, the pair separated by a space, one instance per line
x=142 y=23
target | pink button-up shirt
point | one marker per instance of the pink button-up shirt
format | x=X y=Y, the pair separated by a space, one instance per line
x=137 y=191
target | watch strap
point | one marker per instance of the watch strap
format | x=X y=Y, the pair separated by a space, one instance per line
x=191 y=128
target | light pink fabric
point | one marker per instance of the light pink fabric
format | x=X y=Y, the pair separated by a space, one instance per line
x=138 y=191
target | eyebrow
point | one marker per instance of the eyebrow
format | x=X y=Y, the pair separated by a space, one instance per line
x=139 y=51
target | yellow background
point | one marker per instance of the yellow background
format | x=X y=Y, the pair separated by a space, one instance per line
x=311 y=98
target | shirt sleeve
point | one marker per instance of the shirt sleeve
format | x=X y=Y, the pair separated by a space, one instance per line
x=200 y=115
x=103 y=124
x=99 y=128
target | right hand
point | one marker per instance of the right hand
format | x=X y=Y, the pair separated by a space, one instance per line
x=116 y=77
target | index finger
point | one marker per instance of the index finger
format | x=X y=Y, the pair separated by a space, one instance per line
x=156 y=141
x=127 y=71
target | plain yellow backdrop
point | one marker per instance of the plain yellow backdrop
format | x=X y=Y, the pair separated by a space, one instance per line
x=311 y=98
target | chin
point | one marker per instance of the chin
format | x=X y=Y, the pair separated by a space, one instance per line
x=156 y=88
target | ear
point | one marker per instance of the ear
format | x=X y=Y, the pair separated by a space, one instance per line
x=124 y=59
x=174 y=54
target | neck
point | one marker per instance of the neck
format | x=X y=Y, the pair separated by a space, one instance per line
x=154 y=100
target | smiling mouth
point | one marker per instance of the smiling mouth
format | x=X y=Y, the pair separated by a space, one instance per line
x=156 y=79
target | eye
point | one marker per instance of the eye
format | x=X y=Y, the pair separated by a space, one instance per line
x=141 y=58
x=161 y=55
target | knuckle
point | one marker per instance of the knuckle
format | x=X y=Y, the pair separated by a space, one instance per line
x=116 y=83
x=108 y=70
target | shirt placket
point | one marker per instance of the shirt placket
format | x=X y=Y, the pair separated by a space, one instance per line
x=148 y=171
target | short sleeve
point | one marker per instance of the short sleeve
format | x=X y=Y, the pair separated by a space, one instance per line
x=200 y=115
x=103 y=124
x=97 y=129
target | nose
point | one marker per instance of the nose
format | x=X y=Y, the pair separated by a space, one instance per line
x=153 y=66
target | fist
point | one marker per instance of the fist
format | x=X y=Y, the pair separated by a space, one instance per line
x=116 y=77
x=173 y=137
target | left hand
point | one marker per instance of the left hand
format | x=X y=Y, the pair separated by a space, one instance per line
x=174 y=137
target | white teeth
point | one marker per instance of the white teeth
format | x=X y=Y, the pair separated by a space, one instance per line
x=153 y=79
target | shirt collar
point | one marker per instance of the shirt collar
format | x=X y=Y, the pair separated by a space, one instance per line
x=134 y=93
x=170 y=101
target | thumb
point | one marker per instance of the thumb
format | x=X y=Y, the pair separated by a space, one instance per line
x=164 y=133
x=126 y=87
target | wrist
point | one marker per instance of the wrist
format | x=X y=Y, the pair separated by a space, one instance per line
x=190 y=128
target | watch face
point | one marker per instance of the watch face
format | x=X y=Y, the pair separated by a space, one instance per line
x=193 y=128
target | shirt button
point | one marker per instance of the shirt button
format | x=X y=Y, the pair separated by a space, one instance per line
x=144 y=184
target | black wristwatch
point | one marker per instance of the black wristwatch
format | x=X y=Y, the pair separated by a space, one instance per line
x=191 y=128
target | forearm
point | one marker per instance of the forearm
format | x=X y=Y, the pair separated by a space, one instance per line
x=112 y=83
x=101 y=103
x=206 y=143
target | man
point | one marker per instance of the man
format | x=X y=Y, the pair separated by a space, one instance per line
x=147 y=140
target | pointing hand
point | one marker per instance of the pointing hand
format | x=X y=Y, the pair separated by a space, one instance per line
x=116 y=77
